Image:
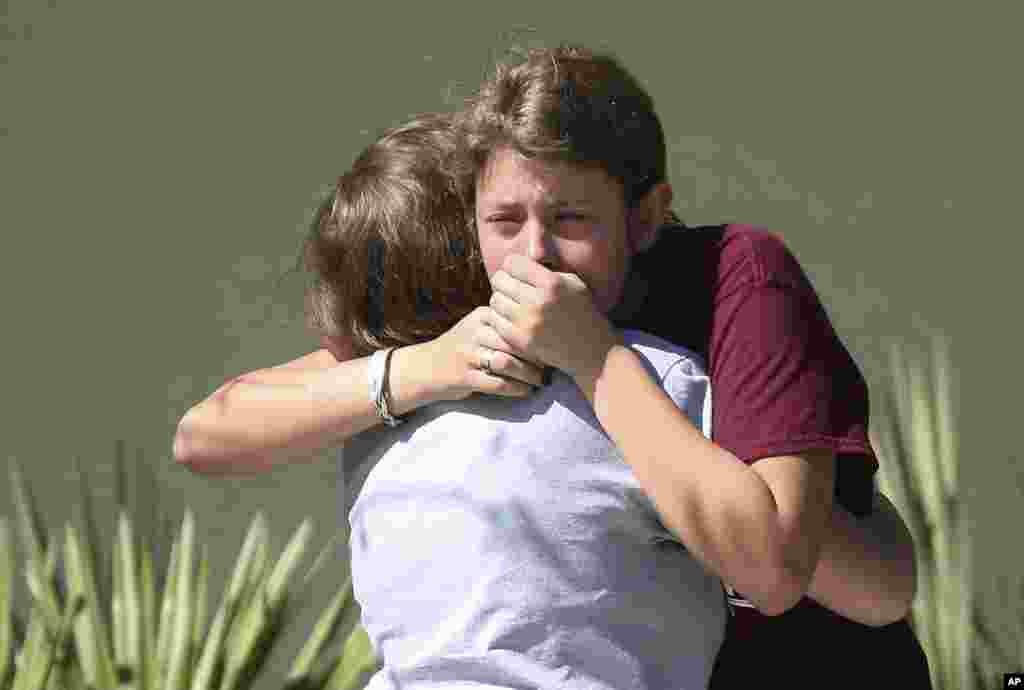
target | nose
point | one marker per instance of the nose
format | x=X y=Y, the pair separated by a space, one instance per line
x=540 y=246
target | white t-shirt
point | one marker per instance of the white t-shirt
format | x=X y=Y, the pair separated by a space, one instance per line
x=505 y=543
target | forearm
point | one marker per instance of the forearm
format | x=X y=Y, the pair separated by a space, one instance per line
x=279 y=415
x=866 y=570
x=723 y=512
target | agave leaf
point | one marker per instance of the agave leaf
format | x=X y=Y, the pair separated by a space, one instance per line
x=90 y=638
x=92 y=540
x=326 y=555
x=247 y=561
x=942 y=378
x=6 y=602
x=33 y=534
x=72 y=611
x=120 y=495
x=249 y=586
x=260 y=560
x=253 y=619
x=298 y=605
x=31 y=655
x=20 y=633
x=150 y=671
x=67 y=675
x=36 y=666
x=177 y=670
x=919 y=435
x=252 y=590
x=129 y=593
x=358 y=662
x=215 y=650
x=923 y=461
x=323 y=632
x=952 y=555
x=200 y=598
x=317 y=677
x=249 y=627
x=39 y=672
x=86 y=549
x=277 y=588
x=43 y=605
x=116 y=611
x=117 y=614
x=167 y=614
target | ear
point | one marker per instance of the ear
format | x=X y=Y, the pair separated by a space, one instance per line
x=644 y=220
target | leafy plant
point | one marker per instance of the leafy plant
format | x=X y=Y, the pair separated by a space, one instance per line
x=159 y=642
x=918 y=448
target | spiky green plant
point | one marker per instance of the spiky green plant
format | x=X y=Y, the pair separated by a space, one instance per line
x=154 y=644
x=917 y=441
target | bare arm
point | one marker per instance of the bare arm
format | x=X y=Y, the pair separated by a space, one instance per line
x=866 y=570
x=759 y=528
x=289 y=412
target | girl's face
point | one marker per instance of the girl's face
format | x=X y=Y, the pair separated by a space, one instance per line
x=570 y=218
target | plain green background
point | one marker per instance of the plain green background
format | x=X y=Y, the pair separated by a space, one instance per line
x=160 y=161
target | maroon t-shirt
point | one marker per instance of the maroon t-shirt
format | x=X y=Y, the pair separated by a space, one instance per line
x=782 y=383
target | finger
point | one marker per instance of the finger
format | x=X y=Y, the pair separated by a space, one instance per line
x=505 y=329
x=495 y=384
x=514 y=288
x=504 y=306
x=489 y=338
x=526 y=270
x=511 y=367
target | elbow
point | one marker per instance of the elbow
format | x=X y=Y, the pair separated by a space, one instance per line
x=187 y=448
x=199 y=453
x=901 y=588
x=786 y=587
x=899 y=607
x=894 y=614
x=181 y=445
x=785 y=579
x=887 y=613
x=184 y=446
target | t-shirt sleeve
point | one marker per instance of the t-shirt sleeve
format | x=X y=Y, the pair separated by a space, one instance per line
x=689 y=386
x=783 y=382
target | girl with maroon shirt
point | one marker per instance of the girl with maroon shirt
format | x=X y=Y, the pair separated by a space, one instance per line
x=782 y=382
x=751 y=271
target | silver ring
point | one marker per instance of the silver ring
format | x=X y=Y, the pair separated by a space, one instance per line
x=486 y=366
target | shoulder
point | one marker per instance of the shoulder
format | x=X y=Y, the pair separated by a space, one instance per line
x=729 y=257
x=752 y=256
x=664 y=355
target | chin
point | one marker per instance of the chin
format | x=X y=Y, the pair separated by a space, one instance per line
x=604 y=305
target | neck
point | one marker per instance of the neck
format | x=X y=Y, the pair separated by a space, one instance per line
x=634 y=294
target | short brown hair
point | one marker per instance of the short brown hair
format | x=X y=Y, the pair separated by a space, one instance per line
x=565 y=104
x=393 y=257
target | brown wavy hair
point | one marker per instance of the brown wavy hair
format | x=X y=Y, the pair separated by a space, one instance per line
x=393 y=258
x=564 y=104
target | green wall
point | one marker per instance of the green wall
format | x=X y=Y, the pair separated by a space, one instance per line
x=158 y=162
